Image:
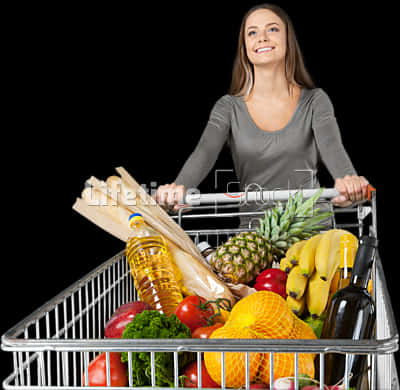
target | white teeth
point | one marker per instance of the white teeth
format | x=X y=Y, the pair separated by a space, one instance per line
x=264 y=49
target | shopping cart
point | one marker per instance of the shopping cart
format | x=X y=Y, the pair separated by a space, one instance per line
x=52 y=347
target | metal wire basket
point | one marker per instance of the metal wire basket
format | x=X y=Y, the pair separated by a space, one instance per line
x=52 y=347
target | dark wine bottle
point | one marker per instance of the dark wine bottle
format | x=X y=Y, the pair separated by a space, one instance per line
x=351 y=315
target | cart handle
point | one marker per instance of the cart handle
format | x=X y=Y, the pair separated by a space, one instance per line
x=370 y=190
x=266 y=196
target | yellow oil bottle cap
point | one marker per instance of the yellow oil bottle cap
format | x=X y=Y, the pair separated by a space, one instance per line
x=348 y=250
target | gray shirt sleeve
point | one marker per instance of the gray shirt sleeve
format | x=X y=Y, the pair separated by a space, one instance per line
x=328 y=139
x=203 y=158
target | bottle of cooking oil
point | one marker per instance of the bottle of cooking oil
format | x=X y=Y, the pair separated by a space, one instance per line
x=151 y=267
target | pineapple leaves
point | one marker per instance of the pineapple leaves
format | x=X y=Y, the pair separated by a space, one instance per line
x=306 y=207
x=266 y=226
x=285 y=225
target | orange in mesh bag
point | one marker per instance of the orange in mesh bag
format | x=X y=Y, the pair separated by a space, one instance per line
x=284 y=366
x=265 y=313
x=235 y=362
x=262 y=314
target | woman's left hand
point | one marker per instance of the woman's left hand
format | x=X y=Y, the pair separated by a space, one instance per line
x=352 y=189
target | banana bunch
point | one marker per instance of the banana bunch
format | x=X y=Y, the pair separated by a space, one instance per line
x=312 y=265
x=291 y=258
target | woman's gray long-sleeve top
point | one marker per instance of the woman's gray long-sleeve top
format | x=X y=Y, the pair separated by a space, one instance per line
x=283 y=159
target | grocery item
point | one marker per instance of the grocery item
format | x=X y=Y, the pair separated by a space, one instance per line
x=204 y=332
x=296 y=283
x=327 y=255
x=123 y=316
x=190 y=373
x=241 y=258
x=315 y=324
x=195 y=311
x=351 y=315
x=284 y=365
x=151 y=267
x=298 y=220
x=302 y=330
x=155 y=325
x=307 y=255
x=305 y=383
x=263 y=314
x=108 y=204
x=285 y=265
x=348 y=250
x=296 y=305
x=206 y=250
x=97 y=371
x=283 y=383
x=235 y=362
x=272 y=279
x=293 y=253
x=317 y=295
x=197 y=279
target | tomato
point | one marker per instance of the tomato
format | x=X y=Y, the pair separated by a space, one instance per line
x=194 y=311
x=272 y=273
x=98 y=374
x=204 y=332
x=190 y=372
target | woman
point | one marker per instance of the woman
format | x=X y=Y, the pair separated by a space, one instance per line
x=278 y=125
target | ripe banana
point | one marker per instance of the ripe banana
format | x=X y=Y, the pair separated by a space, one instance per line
x=296 y=283
x=327 y=255
x=296 y=305
x=285 y=265
x=293 y=252
x=317 y=295
x=307 y=255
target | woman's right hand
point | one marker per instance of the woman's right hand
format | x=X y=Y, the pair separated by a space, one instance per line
x=171 y=197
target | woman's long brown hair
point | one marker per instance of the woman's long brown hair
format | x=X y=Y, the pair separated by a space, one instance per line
x=243 y=72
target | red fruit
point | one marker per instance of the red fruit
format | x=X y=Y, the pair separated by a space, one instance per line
x=204 y=332
x=123 y=316
x=97 y=372
x=272 y=273
x=272 y=285
x=190 y=372
x=259 y=386
x=194 y=312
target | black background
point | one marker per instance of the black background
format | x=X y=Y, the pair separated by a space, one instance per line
x=101 y=87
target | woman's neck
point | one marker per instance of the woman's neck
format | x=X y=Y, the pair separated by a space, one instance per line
x=269 y=82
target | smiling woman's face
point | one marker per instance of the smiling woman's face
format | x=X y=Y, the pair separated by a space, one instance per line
x=265 y=38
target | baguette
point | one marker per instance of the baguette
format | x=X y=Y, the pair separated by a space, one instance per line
x=104 y=208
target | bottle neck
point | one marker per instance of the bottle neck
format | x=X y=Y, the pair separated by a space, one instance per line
x=345 y=272
x=360 y=281
x=363 y=262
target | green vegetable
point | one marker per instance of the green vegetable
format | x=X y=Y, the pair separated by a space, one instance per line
x=151 y=324
x=315 y=324
x=305 y=380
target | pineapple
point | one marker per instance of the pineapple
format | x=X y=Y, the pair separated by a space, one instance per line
x=242 y=257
